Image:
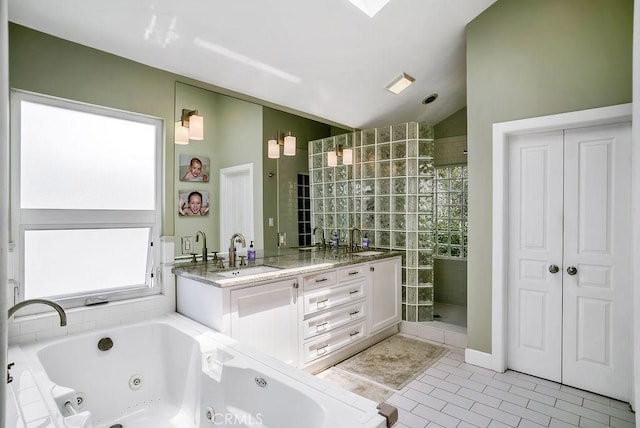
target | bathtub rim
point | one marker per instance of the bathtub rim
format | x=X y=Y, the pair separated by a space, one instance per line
x=25 y=355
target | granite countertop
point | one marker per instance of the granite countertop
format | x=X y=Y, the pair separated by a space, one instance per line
x=281 y=263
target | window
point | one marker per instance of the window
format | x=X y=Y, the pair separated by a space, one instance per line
x=85 y=190
x=451 y=211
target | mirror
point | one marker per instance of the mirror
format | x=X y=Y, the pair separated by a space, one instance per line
x=236 y=133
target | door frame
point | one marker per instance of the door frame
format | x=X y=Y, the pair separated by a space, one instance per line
x=226 y=175
x=501 y=131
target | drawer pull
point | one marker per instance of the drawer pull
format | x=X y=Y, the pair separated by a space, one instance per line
x=322 y=303
x=355 y=333
x=322 y=349
x=354 y=292
x=322 y=326
x=355 y=272
x=322 y=279
x=352 y=314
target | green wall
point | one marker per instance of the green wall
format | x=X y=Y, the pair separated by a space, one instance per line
x=452 y=126
x=528 y=59
x=45 y=64
x=48 y=65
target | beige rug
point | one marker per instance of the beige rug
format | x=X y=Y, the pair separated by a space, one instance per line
x=356 y=384
x=395 y=361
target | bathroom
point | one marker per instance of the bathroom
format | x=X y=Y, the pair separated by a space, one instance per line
x=244 y=121
x=83 y=88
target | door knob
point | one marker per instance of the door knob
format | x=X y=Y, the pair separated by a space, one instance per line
x=571 y=270
x=554 y=268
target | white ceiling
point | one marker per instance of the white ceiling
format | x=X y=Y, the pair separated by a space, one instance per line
x=324 y=57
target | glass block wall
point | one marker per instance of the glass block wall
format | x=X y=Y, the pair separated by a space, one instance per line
x=388 y=193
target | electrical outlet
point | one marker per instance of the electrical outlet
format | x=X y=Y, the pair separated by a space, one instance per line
x=187 y=244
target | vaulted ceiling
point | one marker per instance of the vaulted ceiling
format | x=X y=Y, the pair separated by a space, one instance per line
x=325 y=58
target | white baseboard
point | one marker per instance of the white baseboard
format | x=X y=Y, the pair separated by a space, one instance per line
x=477 y=358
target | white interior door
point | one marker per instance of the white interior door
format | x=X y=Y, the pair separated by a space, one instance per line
x=569 y=208
x=236 y=204
x=597 y=334
x=535 y=243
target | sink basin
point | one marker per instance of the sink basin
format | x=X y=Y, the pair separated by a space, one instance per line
x=246 y=271
x=368 y=253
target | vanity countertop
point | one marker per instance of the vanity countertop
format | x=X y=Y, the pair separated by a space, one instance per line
x=281 y=263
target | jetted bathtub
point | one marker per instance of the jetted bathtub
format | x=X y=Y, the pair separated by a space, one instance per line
x=172 y=372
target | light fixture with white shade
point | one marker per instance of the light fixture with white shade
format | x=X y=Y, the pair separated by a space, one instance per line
x=400 y=83
x=345 y=154
x=189 y=127
x=273 y=145
x=182 y=134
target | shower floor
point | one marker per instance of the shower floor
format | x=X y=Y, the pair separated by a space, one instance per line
x=450 y=314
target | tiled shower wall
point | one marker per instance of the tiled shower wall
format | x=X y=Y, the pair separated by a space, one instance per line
x=388 y=193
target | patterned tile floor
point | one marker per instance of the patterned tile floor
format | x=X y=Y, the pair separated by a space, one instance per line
x=452 y=393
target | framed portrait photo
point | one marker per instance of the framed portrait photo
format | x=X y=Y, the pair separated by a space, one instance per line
x=194 y=168
x=193 y=203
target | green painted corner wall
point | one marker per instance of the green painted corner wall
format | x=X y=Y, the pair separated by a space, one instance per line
x=528 y=59
x=452 y=126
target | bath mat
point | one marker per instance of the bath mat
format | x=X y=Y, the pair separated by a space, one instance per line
x=395 y=361
x=356 y=384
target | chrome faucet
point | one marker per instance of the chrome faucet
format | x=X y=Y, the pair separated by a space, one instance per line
x=353 y=246
x=204 y=244
x=322 y=243
x=54 y=305
x=232 y=248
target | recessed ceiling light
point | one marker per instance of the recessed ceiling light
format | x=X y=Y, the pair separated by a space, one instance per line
x=370 y=7
x=400 y=83
x=429 y=99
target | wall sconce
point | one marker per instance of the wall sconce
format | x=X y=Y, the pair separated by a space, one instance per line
x=345 y=154
x=273 y=145
x=189 y=127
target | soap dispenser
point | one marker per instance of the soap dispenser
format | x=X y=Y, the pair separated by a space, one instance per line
x=365 y=242
x=251 y=253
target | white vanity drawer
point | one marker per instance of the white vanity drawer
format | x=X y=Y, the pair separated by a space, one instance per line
x=352 y=273
x=330 y=342
x=328 y=321
x=320 y=279
x=327 y=298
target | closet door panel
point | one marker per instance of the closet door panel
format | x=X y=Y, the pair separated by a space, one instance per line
x=596 y=279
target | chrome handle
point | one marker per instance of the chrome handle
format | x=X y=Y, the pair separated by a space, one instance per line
x=322 y=279
x=554 y=268
x=571 y=270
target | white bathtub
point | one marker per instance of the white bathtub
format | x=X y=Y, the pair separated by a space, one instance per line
x=172 y=372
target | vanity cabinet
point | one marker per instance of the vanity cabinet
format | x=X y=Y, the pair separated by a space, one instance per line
x=307 y=320
x=266 y=318
x=385 y=297
x=263 y=316
x=334 y=311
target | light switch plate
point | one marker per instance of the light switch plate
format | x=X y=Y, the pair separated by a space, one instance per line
x=187 y=244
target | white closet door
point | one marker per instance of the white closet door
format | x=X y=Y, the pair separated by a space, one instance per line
x=535 y=243
x=596 y=352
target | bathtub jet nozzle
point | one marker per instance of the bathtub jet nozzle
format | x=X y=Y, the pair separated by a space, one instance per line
x=105 y=344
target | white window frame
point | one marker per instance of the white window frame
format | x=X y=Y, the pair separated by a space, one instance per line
x=23 y=220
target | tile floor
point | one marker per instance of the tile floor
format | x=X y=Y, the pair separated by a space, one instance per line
x=452 y=393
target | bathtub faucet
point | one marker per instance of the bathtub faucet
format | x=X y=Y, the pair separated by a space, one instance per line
x=54 y=305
